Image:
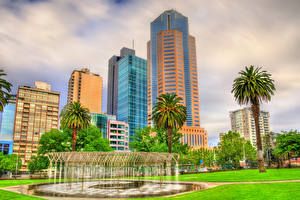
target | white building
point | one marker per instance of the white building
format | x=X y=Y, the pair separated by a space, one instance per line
x=242 y=122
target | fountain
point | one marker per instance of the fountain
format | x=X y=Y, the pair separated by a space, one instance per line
x=111 y=175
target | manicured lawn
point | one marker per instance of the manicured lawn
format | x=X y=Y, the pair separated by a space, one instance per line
x=257 y=191
x=240 y=176
x=234 y=191
x=7 y=195
x=8 y=183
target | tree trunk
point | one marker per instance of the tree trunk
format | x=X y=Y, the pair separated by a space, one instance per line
x=170 y=131
x=260 y=157
x=74 y=138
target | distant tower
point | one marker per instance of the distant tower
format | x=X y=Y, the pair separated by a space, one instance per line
x=132 y=92
x=242 y=122
x=86 y=87
x=7 y=126
x=36 y=113
x=112 y=82
x=172 y=68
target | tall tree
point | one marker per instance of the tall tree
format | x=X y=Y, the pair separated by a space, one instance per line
x=75 y=117
x=169 y=114
x=253 y=86
x=5 y=88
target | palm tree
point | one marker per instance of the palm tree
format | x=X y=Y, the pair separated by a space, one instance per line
x=75 y=117
x=4 y=95
x=169 y=114
x=254 y=86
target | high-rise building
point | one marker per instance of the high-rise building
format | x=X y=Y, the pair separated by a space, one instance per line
x=172 y=68
x=36 y=113
x=112 y=82
x=132 y=92
x=86 y=87
x=242 y=122
x=116 y=132
x=118 y=135
x=7 y=126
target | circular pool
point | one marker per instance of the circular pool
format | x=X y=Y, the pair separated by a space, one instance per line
x=113 y=189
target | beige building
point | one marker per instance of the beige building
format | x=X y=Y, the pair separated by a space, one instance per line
x=86 y=87
x=36 y=113
x=242 y=122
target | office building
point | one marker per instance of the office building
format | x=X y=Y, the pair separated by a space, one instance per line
x=36 y=113
x=7 y=126
x=118 y=135
x=242 y=122
x=116 y=132
x=112 y=82
x=172 y=68
x=132 y=92
x=86 y=87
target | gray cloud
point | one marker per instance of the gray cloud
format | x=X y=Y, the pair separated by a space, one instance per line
x=46 y=40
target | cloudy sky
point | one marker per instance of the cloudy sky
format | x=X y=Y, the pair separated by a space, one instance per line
x=46 y=39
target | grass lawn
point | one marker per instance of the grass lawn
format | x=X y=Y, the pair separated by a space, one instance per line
x=257 y=191
x=234 y=191
x=240 y=176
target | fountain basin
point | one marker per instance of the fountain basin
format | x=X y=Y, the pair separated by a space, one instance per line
x=113 y=189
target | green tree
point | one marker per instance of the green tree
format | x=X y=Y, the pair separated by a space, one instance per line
x=194 y=157
x=154 y=140
x=169 y=114
x=55 y=141
x=232 y=149
x=88 y=140
x=142 y=140
x=5 y=88
x=91 y=140
x=38 y=163
x=287 y=144
x=75 y=117
x=254 y=86
x=9 y=163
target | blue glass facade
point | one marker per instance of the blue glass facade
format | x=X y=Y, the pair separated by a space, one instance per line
x=132 y=92
x=171 y=20
x=100 y=120
x=7 y=125
x=6 y=147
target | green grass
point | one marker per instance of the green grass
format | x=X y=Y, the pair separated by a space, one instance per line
x=8 y=183
x=234 y=191
x=240 y=176
x=7 y=195
x=257 y=191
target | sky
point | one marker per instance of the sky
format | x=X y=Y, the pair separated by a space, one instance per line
x=45 y=40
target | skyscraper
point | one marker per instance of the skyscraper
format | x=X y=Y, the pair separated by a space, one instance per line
x=86 y=87
x=242 y=122
x=172 y=68
x=7 y=126
x=36 y=113
x=112 y=82
x=132 y=92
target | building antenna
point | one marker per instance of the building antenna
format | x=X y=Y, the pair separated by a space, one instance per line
x=133 y=44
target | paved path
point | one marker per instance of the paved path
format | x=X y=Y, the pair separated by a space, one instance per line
x=23 y=189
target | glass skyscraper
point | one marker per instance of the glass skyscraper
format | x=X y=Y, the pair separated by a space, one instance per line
x=112 y=81
x=132 y=92
x=7 y=126
x=172 y=68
